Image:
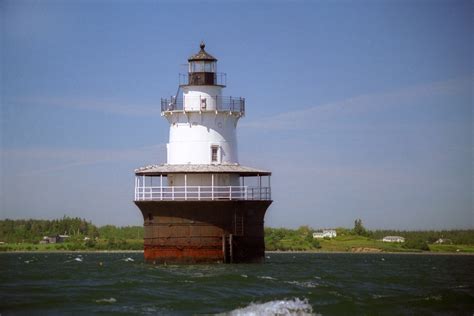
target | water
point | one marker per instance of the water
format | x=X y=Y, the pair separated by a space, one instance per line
x=327 y=284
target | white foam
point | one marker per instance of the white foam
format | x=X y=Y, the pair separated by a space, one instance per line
x=128 y=259
x=279 y=307
x=186 y=281
x=434 y=298
x=244 y=275
x=78 y=259
x=266 y=277
x=308 y=284
x=106 y=300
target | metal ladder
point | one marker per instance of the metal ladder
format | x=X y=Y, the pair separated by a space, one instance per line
x=238 y=224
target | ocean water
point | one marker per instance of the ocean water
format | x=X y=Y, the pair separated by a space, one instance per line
x=287 y=284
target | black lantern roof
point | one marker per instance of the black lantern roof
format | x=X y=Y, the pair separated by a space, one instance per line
x=202 y=55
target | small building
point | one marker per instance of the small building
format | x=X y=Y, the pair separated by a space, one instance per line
x=325 y=233
x=49 y=239
x=53 y=239
x=393 y=239
x=443 y=241
x=62 y=238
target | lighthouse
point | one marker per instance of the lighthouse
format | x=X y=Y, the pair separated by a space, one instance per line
x=202 y=205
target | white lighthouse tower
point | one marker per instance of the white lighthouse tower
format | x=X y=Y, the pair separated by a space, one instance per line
x=203 y=131
x=197 y=206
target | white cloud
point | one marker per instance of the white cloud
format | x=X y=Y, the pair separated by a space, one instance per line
x=89 y=104
x=300 y=119
x=43 y=160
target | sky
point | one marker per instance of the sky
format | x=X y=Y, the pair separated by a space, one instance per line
x=361 y=109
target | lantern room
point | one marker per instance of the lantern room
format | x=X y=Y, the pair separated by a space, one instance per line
x=202 y=68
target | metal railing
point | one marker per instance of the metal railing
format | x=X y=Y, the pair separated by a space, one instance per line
x=220 y=79
x=222 y=103
x=201 y=193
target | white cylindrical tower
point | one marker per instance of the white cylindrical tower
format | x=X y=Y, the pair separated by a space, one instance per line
x=202 y=121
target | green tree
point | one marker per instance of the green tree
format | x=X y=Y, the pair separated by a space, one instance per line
x=416 y=244
x=359 y=229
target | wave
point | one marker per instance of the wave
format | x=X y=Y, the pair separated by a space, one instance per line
x=278 y=307
x=128 y=259
x=106 y=300
x=308 y=284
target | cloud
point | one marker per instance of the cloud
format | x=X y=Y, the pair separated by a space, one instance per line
x=30 y=161
x=89 y=104
x=301 y=119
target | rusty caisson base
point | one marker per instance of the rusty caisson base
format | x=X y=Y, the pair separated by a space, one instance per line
x=204 y=231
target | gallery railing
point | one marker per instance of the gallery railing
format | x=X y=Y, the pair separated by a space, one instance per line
x=198 y=103
x=201 y=193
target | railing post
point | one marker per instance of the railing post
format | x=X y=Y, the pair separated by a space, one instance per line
x=199 y=193
x=185 y=187
x=135 y=194
x=269 y=187
x=245 y=190
x=230 y=192
x=212 y=187
x=172 y=193
x=161 y=187
x=259 y=187
x=143 y=187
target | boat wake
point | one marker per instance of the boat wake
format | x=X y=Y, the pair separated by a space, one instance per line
x=278 y=307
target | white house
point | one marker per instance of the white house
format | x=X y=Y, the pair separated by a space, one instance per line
x=443 y=241
x=393 y=239
x=329 y=233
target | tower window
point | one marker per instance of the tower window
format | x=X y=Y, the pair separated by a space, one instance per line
x=214 y=153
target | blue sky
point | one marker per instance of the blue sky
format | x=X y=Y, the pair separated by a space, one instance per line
x=360 y=109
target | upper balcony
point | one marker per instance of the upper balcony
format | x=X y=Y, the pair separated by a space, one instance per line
x=218 y=103
x=152 y=184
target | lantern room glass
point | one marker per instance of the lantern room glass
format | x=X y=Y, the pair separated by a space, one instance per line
x=202 y=66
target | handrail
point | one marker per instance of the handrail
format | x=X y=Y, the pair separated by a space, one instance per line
x=222 y=103
x=201 y=193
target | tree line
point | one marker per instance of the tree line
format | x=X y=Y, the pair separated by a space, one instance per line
x=455 y=236
x=33 y=230
x=131 y=237
x=302 y=237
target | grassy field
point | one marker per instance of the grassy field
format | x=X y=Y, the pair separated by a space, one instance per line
x=451 y=248
x=360 y=243
x=99 y=245
x=348 y=243
x=353 y=243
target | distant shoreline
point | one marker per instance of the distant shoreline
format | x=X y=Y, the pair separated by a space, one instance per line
x=375 y=252
x=266 y=252
x=72 y=251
